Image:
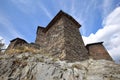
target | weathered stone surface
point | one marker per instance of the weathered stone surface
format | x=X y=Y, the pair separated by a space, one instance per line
x=98 y=51
x=62 y=38
x=40 y=37
x=55 y=39
x=16 y=43
x=74 y=45
x=28 y=66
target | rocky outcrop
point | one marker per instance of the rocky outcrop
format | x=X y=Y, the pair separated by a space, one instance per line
x=28 y=66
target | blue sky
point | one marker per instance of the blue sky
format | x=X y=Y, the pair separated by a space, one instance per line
x=20 y=18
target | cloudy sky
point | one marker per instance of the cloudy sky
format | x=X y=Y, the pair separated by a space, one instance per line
x=100 y=19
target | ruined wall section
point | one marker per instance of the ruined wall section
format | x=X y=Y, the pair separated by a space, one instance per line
x=11 y=45
x=16 y=43
x=55 y=38
x=74 y=45
x=41 y=37
x=63 y=40
x=97 y=51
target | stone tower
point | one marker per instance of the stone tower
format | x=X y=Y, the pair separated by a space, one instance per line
x=16 y=43
x=61 y=38
x=97 y=51
x=40 y=39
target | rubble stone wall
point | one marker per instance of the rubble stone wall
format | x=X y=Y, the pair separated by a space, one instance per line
x=63 y=40
x=75 y=48
x=41 y=37
x=16 y=43
x=55 y=38
x=98 y=51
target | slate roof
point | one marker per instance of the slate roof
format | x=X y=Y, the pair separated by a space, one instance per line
x=94 y=44
x=57 y=17
x=18 y=39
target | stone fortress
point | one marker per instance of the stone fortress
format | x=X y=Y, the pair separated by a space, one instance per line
x=62 y=39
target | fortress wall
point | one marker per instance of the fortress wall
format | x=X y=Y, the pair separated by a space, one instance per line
x=55 y=38
x=11 y=45
x=18 y=42
x=41 y=37
x=62 y=39
x=75 y=48
x=97 y=51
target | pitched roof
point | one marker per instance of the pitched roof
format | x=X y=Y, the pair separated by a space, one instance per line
x=40 y=27
x=18 y=39
x=93 y=44
x=58 y=16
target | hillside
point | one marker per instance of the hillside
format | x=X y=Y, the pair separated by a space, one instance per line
x=29 y=66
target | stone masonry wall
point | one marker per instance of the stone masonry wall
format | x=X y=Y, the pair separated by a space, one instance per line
x=41 y=37
x=98 y=51
x=63 y=40
x=55 y=39
x=16 y=43
x=11 y=46
x=74 y=45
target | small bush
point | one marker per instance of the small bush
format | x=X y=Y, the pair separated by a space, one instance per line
x=54 y=59
x=77 y=66
x=22 y=49
x=40 y=60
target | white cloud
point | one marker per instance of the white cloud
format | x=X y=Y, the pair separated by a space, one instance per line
x=41 y=6
x=26 y=6
x=106 y=6
x=8 y=27
x=31 y=7
x=112 y=18
x=1 y=38
x=3 y=41
x=84 y=14
x=73 y=10
x=110 y=34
